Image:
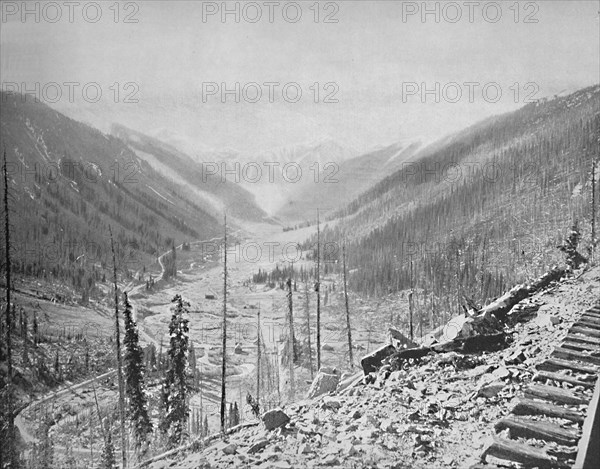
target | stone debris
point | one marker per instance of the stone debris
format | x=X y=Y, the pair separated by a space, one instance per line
x=373 y=361
x=231 y=448
x=274 y=419
x=546 y=320
x=435 y=411
x=323 y=383
x=258 y=446
x=490 y=390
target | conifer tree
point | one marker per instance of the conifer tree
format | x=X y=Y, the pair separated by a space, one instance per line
x=34 y=327
x=119 y=356
x=236 y=414
x=107 y=458
x=231 y=416
x=175 y=392
x=134 y=376
x=42 y=454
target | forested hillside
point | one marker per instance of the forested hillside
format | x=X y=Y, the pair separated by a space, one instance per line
x=69 y=182
x=479 y=211
x=205 y=182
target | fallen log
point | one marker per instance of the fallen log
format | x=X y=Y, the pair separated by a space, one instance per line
x=372 y=362
x=473 y=334
x=399 y=358
x=501 y=306
x=478 y=343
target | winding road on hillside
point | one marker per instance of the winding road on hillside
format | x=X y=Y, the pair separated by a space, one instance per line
x=146 y=337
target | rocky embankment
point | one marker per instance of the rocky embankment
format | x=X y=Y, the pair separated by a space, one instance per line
x=437 y=411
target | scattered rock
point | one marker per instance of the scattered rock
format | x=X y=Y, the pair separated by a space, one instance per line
x=490 y=390
x=280 y=465
x=258 y=446
x=545 y=320
x=331 y=460
x=350 y=428
x=372 y=362
x=501 y=373
x=331 y=403
x=305 y=448
x=387 y=425
x=347 y=447
x=230 y=448
x=479 y=370
x=399 y=340
x=274 y=419
x=324 y=383
x=515 y=358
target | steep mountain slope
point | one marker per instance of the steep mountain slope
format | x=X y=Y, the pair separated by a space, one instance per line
x=480 y=210
x=206 y=181
x=70 y=182
x=340 y=181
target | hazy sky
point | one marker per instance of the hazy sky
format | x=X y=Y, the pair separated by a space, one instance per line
x=372 y=55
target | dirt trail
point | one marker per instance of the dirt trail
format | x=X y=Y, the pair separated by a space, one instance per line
x=19 y=421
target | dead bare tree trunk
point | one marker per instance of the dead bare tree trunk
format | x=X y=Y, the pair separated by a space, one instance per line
x=224 y=340
x=11 y=453
x=318 y=289
x=350 y=357
x=98 y=411
x=119 y=360
x=258 y=356
x=593 y=209
x=291 y=339
x=277 y=374
x=410 y=302
x=310 y=360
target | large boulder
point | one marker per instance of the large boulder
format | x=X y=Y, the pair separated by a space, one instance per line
x=323 y=383
x=275 y=418
x=373 y=361
x=399 y=340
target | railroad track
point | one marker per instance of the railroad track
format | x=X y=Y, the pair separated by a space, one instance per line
x=555 y=422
